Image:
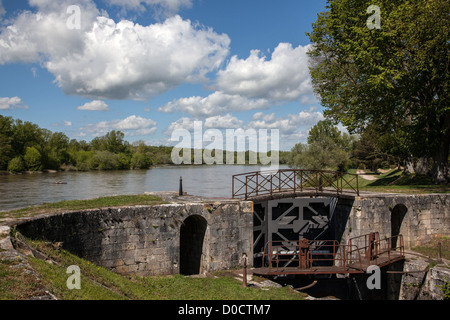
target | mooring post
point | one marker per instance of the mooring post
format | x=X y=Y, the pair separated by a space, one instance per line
x=244 y=275
x=181 y=187
x=439 y=258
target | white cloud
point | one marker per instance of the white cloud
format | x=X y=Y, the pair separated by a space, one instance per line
x=109 y=60
x=131 y=126
x=11 y=103
x=96 y=105
x=285 y=77
x=293 y=128
x=215 y=104
x=223 y=122
x=184 y=123
x=227 y=121
x=68 y=123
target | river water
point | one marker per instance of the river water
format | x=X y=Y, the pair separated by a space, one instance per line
x=18 y=191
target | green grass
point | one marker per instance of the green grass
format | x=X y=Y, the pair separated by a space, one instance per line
x=113 y=201
x=430 y=248
x=397 y=182
x=98 y=283
x=16 y=283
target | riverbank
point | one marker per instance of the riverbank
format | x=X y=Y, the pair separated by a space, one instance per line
x=37 y=270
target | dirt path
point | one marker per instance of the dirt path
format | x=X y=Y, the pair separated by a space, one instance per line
x=366 y=176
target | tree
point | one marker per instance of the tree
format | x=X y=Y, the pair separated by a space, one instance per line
x=32 y=159
x=25 y=134
x=5 y=151
x=16 y=165
x=104 y=160
x=327 y=148
x=395 y=77
x=368 y=150
x=140 y=161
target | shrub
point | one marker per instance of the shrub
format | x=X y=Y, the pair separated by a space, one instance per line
x=16 y=165
x=33 y=159
x=105 y=160
x=140 y=161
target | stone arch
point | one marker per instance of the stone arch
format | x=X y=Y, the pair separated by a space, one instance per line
x=192 y=235
x=398 y=214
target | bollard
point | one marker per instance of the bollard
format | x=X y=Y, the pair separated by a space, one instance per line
x=181 y=187
x=439 y=257
x=244 y=276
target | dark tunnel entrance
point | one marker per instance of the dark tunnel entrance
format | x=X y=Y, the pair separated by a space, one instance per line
x=397 y=216
x=192 y=234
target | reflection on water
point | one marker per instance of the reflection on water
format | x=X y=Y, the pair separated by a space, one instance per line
x=18 y=191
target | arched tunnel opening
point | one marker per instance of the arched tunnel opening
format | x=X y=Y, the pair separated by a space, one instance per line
x=397 y=216
x=192 y=234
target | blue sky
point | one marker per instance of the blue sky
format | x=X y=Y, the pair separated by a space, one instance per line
x=149 y=67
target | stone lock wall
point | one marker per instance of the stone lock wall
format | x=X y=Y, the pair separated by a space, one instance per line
x=418 y=218
x=145 y=240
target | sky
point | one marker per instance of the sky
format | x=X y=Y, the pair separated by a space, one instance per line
x=150 y=67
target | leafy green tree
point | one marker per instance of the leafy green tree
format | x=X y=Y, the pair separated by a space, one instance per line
x=327 y=148
x=123 y=161
x=83 y=160
x=114 y=141
x=140 y=161
x=395 y=77
x=16 y=165
x=104 y=160
x=5 y=151
x=368 y=150
x=33 y=160
x=25 y=134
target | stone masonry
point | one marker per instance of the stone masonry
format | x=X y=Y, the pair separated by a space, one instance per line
x=145 y=240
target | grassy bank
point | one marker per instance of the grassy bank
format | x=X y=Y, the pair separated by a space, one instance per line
x=98 y=283
x=113 y=201
x=397 y=182
x=430 y=248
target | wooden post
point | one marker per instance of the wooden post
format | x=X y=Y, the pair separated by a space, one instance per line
x=181 y=187
x=244 y=275
x=439 y=257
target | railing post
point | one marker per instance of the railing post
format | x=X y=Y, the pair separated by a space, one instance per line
x=232 y=187
x=357 y=185
x=295 y=184
x=246 y=187
x=271 y=184
x=279 y=181
x=270 y=256
x=301 y=180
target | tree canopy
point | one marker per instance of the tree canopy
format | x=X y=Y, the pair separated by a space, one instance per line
x=394 y=77
x=327 y=148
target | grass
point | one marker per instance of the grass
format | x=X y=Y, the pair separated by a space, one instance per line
x=17 y=283
x=98 y=283
x=113 y=201
x=430 y=248
x=397 y=182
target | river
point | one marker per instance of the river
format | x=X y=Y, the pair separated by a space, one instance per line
x=19 y=191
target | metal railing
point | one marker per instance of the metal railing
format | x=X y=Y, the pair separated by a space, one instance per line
x=261 y=183
x=378 y=251
x=331 y=257
x=310 y=256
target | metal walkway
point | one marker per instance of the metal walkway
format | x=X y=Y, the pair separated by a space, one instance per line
x=309 y=257
x=319 y=182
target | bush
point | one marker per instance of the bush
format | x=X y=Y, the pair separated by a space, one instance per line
x=104 y=160
x=33 y=159
x=83 y=160
x=140 y=161
x=123 y=161
x=16 y=165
